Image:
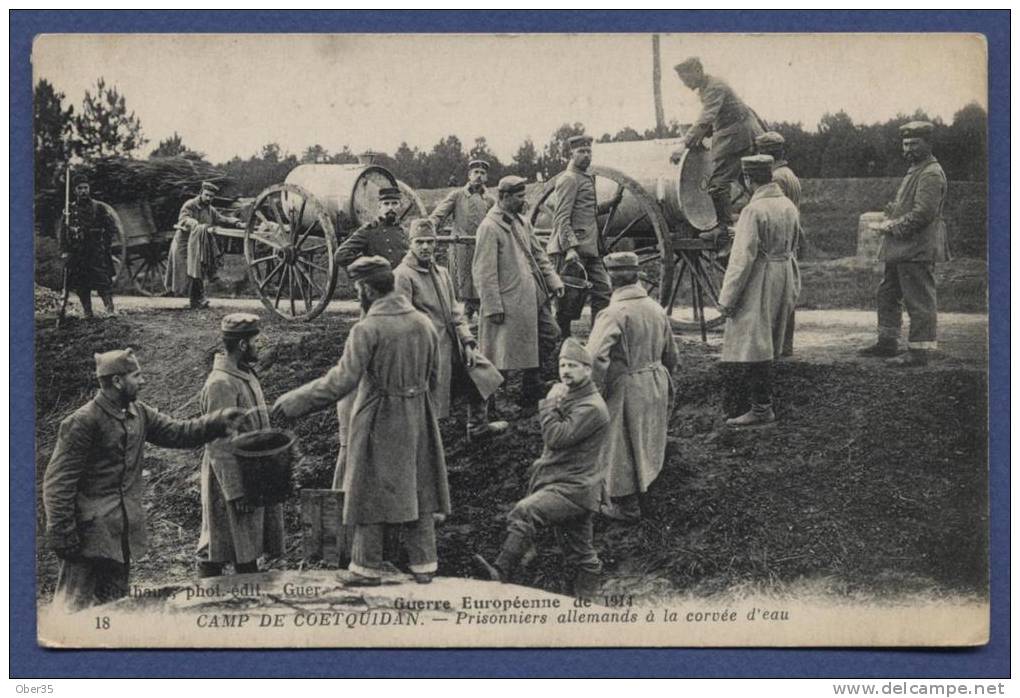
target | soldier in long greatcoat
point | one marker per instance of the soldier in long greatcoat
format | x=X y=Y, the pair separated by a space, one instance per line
x=913 y=241
x=85 y=239
x=761 y=285
x=395 y=472
x=463 y=370
x=93 y=486
x=193 y=249
x=733 y=127
x=467 y=205
x=516 y=283
x=234 y=529
x=633 y=355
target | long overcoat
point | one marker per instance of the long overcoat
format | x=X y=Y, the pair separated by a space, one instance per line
x=762 y=281
x=633 y=355
x=513 y=276
x=93 y=486
x=396 y=468
x=430 y=290
x=184 y=252
x=468 y=207
x=229 y=536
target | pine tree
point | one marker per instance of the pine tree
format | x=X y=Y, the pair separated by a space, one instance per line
x=105 y=128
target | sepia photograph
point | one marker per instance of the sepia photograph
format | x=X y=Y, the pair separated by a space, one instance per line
x=479 y=340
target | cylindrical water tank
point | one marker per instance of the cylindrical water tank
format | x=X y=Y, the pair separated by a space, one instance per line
x=350 y=193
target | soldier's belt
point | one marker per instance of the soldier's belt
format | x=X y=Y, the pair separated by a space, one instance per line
x=413 y=391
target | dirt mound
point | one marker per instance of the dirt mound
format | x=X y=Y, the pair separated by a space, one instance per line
x=872 y=480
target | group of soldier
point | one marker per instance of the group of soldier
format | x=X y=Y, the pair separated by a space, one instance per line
x=427 y=337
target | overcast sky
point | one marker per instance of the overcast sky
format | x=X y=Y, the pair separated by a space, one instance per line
x=230 y=94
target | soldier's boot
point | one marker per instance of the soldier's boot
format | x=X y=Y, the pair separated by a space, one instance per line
x=108 y=303
x=722 y=233
x=626 y=509
x=196 y=293
x=209 y=569
x=515 y=548
x=478 y=425
x=913 y=357
x=85 y=296
x=757 y=416
x=587 y=584
x=246 y=567
x=884 y=347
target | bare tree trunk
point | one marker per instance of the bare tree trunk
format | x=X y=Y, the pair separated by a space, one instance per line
x=660 y=115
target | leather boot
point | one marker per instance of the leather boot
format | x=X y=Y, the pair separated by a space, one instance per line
x=913 y=357
x=884 y=347
x=756 y=416
x=209 y=569
x=587 y=584
x=85 y=296
x=246 y=567
x=108 y=303
x=514 y=549
x=196 y=293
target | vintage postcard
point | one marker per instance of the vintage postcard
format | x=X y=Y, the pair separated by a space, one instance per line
x=532 y=340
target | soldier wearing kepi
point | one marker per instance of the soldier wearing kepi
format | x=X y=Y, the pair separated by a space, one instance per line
x=84 y=239
x=733 y=127
x=234 y=529
x=93 y=486
x=383 y=237
x=913 y=240
x=395 y=472
x=568 y=480
x=575 y=235
x=773 y=143
x=462 y=370
x=633 y=355
x=761 y=286
x=516 y=283
x=195 y=246
x=468 y=206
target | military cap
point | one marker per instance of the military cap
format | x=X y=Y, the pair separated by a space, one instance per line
x=580 y=141
x=770 y=139
x=757 y=163
x=240 y=325
x=364 y=267
x=573 y=350
x=478 y=164
x=622 y=261
x=389 y=194
x=511 y=184
x=210 y=187
x=691 y=66
x=422 y=228
x=917 y=129
x=79 y=178
x=116 y=362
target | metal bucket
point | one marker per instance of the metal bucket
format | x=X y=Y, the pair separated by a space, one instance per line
x=575 y=292
x=265 y=457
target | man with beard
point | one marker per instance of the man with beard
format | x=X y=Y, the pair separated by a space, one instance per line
x=575 y=236
x=383 y=237
x=234 y=529
x=515 y=283
x=395 y=473
x=913 y=240
x=85 y=237
x=462 y=369
x=633 y=356
x=93 y=486
x=468 y=206
x=567 y=481
x=733 y=127
x=193 y=250
x=772 y=143
x=761 y=286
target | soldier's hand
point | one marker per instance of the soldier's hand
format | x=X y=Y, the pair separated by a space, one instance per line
x=278 y=415
x=560 y=292
x=571 y=256
x=239 y=223
x=232 y=419
x=470 y=356
x=497 y=318
x=557 y=391
x=243 y=505
x=677 y=155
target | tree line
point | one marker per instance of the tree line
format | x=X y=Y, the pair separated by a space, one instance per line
x=103 y=127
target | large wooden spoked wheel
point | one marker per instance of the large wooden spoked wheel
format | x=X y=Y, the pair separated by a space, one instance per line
x=636 y=223
x=139 y=262
x=692 y=299
x=289 y=244
x=414 y=208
